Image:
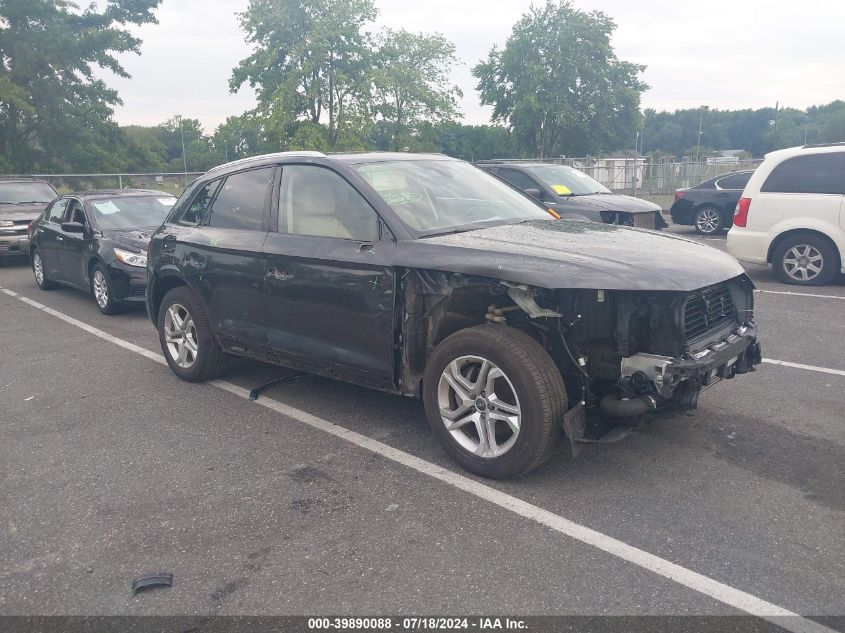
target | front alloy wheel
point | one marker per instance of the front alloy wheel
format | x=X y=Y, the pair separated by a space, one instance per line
x=479 y=407
x=495 y=399
x=180 y=335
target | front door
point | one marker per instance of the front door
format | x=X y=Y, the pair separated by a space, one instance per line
x=74 y=248
x=329 y=281
x=46 y=237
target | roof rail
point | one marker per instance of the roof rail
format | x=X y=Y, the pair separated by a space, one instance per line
x=839 y=144
x=252 y=159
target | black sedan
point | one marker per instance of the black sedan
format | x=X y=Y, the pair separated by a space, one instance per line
x=574 y=195
x=22 y=200
x=96 y=241
x=710 y=205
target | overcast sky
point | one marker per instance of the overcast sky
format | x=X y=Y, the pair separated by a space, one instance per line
x=724 y=54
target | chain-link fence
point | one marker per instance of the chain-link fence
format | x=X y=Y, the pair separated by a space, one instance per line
x=173 y=183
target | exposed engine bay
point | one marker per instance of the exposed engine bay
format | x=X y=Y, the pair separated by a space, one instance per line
x=622 y=353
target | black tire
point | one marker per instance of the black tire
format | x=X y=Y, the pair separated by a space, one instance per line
x=829 y=263
x=708 y=221
x=106 y=303
x=209 y=361
x=538 y=387
x=44 y=283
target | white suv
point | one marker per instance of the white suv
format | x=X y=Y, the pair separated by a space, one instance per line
x=792 y=215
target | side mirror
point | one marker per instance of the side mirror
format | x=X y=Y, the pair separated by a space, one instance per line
x=73 y=227
x=534 y=193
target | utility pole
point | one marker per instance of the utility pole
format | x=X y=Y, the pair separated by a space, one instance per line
x=777 y=111
x=700 y=124
x=182 y=134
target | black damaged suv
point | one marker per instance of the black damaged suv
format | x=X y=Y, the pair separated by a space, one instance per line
x=424 y=276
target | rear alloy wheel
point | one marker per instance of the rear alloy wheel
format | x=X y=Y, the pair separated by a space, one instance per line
x=805 y=259
x=708 y=221
x=101 y=290
x=40 y=273
x=186 y=338
x=495 y=400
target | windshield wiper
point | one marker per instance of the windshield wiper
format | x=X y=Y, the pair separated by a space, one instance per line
x=30 y=202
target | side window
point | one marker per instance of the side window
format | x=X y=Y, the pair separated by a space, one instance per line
x=241 y=201
x=76 y=213
x=518 y=179
x=318 y=202
x=735 y=181
x=57 y=211
x=813 y=173
x=197 y=210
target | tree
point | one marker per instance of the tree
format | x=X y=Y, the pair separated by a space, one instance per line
x=559 y=85
x=50 y=102
x=311 y=61
x=411 y=81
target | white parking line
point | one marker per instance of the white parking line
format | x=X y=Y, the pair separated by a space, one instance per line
x=697 y=582
x=799 y=294
x=786 y=363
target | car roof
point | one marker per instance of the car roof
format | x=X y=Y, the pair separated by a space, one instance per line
x=116 y=193
x=352 y=158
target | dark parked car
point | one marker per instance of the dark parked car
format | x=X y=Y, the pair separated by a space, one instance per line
x=710 y=205
x=572 y=194
x=424 y=276
x=96 y=241
x=21 y=202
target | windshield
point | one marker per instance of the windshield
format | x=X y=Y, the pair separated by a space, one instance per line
x=22 y=192
x=433 y=196
x=131 y=212
x=566 y=181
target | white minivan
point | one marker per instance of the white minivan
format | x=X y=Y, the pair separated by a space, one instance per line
x=792 y=215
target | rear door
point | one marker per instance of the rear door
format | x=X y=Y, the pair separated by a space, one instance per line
x=46 y=236
x=329 y=281
x=223 y=256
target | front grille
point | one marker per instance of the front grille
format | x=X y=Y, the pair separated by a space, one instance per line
x=644 y=220
x=707 y=310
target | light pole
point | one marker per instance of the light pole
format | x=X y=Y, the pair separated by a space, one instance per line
x=700 y=123
x=182 y=134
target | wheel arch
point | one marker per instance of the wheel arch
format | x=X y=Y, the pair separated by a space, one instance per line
x=792 y=232
x=162 y=287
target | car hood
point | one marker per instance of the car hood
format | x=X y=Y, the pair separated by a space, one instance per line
x=608 y=202
x=574 y=254
x=21 y=212
x=139 y=238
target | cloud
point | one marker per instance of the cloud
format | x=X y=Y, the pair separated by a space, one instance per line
x=725 y=54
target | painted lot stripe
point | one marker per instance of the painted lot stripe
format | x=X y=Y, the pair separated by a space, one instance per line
x=823 y=370
x=697 y=582
x=799 y=294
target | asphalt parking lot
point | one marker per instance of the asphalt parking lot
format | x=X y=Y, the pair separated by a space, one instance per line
x=112 y=467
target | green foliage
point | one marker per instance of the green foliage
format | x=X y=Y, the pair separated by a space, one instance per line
x=755 y=131
x=411 y=82
x=311 y=61
x=54 y=113
x=558 y=84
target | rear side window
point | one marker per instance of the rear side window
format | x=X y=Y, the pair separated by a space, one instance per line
x=735 y=181
x=241 y=201
x=518 y=179
x=57 y=211
x=813 y=173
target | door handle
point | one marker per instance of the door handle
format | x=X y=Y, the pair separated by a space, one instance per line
x=279 y=275
x=365 y=247
x=59 y=238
